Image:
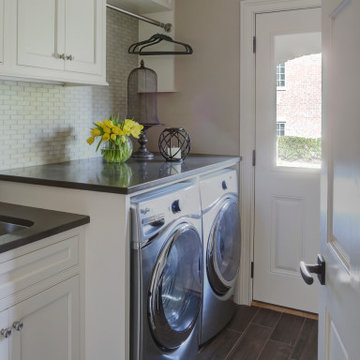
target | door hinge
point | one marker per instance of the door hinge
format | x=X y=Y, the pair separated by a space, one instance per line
x=252 y=269
x=254 y=44
x=254 y=158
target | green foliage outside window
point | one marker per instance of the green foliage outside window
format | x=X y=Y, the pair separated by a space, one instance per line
x=293 y=148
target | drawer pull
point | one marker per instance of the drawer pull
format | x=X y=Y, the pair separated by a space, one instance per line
x=18 y=325
x=5 y=332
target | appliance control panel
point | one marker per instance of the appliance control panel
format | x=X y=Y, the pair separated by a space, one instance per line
x=155 y=210
x=214 y=186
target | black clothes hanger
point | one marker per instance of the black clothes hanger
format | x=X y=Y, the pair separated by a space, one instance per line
x=138 y=48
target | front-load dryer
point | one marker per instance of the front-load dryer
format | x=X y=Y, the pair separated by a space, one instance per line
x=166 y=273
x=221 y=241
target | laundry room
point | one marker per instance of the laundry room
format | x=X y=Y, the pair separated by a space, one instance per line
x=179 y=179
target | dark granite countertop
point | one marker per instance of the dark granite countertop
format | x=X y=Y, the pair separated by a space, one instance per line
x=39 y=224
x=94 y=174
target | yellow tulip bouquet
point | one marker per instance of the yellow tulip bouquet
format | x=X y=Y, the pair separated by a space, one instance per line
x=116 y=135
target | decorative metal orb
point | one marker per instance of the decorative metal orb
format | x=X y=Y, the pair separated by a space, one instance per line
x=174 y=144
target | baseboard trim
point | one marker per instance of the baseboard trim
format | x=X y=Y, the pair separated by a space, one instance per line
x=286 y=310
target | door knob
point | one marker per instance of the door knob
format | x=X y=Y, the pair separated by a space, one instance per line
x=319 y=269
x=18 y=325
x=5 y=332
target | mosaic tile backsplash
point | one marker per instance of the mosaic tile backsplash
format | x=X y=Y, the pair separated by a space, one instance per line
x=42 y=123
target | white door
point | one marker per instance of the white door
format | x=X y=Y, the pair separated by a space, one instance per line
x=40 y=27
x=339 y=317
x=84 y=32
x=288 y=155
x=2 y=30
x=49 y=325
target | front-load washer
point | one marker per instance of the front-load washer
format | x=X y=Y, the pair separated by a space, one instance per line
x=221 y=241
x=166 y=273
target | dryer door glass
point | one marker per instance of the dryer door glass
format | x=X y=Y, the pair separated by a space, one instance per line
x=175 y=295
x=223 y=253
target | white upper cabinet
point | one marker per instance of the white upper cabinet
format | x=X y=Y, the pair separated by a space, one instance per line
x=54 y=40
x=2 y=17
x=40 y=33
x=83 y=38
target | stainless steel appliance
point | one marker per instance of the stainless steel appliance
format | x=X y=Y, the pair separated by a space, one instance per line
x=166 y=273
x=221 y=241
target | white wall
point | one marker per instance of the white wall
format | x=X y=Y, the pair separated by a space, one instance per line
x=208 y=82
x=42 y=123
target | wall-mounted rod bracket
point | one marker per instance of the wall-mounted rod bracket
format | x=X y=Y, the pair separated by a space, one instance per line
x=167 y=27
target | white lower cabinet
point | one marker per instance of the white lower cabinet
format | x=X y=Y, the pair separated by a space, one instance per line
x=4 y=339
x=47 y=326
x=42 y=320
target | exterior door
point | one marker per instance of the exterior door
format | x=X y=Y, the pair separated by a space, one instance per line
x=339 y=317
x=175 y=292
x=288 y=155
x=84 y=38
x=223 y=250
x=40 y=33
x=50 y=325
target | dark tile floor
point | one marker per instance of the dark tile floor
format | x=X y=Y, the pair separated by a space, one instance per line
x=262 y=334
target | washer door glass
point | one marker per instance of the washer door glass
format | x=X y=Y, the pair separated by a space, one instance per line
x=223 y=252
x=175 y=293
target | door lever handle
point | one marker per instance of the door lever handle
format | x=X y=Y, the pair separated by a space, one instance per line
x=319 y=269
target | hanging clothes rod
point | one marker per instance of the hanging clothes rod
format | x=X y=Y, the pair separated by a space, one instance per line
x=167 y=27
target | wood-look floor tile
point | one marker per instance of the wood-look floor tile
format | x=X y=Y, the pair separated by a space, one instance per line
x=242 y=318
x=251 y=343
x=306 y=346
x=266 y=317
x=275 y=350
x=220 y=346
x=287 y=329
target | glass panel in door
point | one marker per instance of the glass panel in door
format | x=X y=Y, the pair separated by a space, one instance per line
x=227 y=241
x=223 y=252
x=181 y=281
x=298 y=100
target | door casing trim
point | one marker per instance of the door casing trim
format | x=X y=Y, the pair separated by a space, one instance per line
x=248 y=11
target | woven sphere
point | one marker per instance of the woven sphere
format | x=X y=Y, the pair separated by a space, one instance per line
x=174 y=144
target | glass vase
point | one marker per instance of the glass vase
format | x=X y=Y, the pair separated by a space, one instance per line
x=118 y=152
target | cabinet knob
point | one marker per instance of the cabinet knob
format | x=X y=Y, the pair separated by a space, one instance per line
x=59 y=56
x=70 y=57
x=5 y=332
x=18 y=325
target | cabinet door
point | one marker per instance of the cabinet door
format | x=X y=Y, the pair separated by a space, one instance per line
x=51 y=324
x=2 y=30
x=40 y=33
x=85 y=27
x=4 y=342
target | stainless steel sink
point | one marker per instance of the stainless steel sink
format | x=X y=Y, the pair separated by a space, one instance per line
x=9 y=225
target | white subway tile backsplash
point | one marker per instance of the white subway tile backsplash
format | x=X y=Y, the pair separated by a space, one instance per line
x=42 y=123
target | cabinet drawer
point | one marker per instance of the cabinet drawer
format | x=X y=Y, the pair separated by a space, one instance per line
x=26 y=269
